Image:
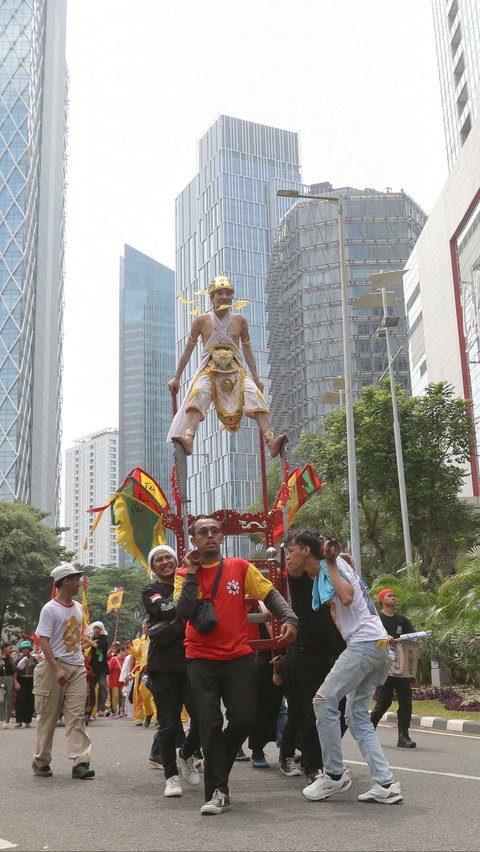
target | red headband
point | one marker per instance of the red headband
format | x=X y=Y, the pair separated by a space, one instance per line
x=382 y=594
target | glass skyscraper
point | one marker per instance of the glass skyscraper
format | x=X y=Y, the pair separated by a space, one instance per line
x=147 y=363
x=304 y=299
x=225 y=218
x=33 y=82
x=457 y=37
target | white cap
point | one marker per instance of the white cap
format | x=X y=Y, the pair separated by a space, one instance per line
x=66 y=569
x=161 y=548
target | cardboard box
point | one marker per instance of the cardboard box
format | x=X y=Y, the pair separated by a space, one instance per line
x=406 y=659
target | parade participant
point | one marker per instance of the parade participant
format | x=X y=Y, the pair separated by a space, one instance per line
x=7 y=667
x=23 y=679
x=220 y=662
x=357 y=672
x=96 y=638
x=227 y=374
x=167 y=669
x=313 y=654
x=60 y=679
x=142 y=699
x=395 y=624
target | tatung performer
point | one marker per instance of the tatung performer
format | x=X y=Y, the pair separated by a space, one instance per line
x=227 y=375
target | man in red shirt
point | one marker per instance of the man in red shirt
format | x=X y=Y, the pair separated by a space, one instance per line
x=220 y=663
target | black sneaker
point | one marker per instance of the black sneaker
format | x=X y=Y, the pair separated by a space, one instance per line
x=147 y=720
x=42 y=771
x=219 y=803
x=83 y=771
x=289 y=767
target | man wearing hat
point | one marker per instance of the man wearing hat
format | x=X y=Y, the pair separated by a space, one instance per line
x=167 y=669
x=395 y=625
x=227 y=375
x=60 y=680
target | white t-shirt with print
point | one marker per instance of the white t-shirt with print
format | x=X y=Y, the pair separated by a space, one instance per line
x=62 y=624
x=360 y=621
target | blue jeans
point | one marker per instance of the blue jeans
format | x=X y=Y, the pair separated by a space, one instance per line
x=357 y=673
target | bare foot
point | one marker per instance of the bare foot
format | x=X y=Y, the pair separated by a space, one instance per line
x=186 y=442
x=275 y=447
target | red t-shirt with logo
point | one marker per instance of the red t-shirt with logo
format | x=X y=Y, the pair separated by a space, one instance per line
x=229 y=639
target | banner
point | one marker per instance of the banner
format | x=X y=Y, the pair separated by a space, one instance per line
x=114 y=600
x=300 y=486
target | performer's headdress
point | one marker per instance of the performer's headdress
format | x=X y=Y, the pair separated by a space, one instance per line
x=220 y=282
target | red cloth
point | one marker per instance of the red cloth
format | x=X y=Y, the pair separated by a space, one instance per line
x=115 y=667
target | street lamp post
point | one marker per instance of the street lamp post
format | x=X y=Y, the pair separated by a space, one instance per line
x=351 y=460
x=382 y=298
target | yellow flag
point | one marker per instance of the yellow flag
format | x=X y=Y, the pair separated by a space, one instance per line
x=114 y=601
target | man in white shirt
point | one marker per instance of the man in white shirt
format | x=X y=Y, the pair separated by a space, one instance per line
x=359 y=669
x=60 y=679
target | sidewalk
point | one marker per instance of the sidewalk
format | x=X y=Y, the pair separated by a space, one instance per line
x=460 y=726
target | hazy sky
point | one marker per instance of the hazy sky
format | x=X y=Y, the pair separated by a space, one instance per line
x=357 y=79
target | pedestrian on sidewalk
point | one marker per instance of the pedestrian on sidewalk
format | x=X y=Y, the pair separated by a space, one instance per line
x=60 y=679
x=395 y=624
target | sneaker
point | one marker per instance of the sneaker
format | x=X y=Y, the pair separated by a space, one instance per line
x=324 y=787
x=391 y=795
x=289 y=767
x=173 y=787
x=309 y=779
x=83 y=771
x=260 y=762
x=147 y=720
x=219 y=803
x=198 y=762
x=42 y=771
x=188 y=770
x=155 y=762
x=241 y=755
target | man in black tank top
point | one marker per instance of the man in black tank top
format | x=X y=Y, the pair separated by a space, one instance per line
x=307 y=662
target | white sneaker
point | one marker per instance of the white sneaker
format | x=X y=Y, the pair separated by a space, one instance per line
x=324 y=787
x=391 y=795
x=189 y=772
x=173 y=786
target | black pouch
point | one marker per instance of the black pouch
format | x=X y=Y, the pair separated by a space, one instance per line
x=204 y=618
x=166 y=631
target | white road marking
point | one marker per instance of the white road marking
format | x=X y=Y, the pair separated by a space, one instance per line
x=437 y=731
x=5 y=844
x=421 y=771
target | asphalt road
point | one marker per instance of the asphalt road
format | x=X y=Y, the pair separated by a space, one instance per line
x=123 y=808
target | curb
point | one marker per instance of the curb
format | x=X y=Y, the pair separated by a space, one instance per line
x=460 y=726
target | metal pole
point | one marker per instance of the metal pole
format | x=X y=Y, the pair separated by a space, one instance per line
x=352 y=464
x=398 y=443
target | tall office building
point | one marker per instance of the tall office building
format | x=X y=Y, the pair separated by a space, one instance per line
x=224 y=221
x=457 y=36
x=147 y=363
x=33 y=82
x=304 y=299
x=91 y=471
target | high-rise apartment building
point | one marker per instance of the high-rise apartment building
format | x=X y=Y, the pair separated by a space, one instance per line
x=225 y=217
x=304 y=298
x=147 y=363
x=33 y=82
x=442 y=285
x=457 y=36
x=91 y=474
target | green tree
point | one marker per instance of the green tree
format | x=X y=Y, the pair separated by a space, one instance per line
x=101 y=581
x=28 y=552
x=436 y=433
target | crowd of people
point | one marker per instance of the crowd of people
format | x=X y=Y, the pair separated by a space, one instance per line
x=192 y=675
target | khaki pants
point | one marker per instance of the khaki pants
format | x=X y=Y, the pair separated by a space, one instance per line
x=51 y=700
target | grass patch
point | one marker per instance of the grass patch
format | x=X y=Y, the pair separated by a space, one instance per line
x=436 y=708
